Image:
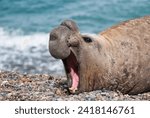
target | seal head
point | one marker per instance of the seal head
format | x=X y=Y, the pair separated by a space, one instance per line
x=73 y=48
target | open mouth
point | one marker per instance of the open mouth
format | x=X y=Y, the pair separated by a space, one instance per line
x=71 y=67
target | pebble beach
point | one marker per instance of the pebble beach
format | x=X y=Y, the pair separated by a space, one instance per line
x=43 y=87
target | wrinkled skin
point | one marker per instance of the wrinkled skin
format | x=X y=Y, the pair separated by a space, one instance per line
x=115 y=59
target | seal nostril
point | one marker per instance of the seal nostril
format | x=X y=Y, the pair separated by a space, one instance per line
x=53 y=37
x=68 y=44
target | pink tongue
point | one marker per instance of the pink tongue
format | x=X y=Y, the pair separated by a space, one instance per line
x=72 y=63
x=75 y=79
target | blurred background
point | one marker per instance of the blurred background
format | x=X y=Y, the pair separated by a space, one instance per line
x=25 y=27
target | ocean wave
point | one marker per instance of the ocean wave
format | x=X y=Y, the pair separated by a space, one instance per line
x=18 y=40
x=27 y=53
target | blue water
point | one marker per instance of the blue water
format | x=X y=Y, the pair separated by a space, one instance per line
x=25 y=27
x=91 y=15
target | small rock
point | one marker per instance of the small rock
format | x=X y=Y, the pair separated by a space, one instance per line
x=1 y=98
x=58 y=92
x=104 y=93
x=24 y=80
x=51 y=94
x=9 y=95
x=44 y=98
x=4 y=83
x=99 y=97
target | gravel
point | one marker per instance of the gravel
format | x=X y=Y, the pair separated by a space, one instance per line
x=15 y=86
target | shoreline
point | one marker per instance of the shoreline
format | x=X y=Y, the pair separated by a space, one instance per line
x=15 y=86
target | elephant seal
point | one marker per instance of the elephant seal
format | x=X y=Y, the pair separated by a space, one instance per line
x=115 y=59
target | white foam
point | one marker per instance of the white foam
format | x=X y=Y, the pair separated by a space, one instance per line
x=20 y=41
x=16 y=50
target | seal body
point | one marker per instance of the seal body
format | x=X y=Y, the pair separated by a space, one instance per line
x=115 y=59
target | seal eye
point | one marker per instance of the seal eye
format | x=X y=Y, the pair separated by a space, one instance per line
x=87 y=39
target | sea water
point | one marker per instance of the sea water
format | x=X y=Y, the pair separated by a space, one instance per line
x=25 y=26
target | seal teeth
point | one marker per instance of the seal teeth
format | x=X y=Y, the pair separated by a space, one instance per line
x=73 y=90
